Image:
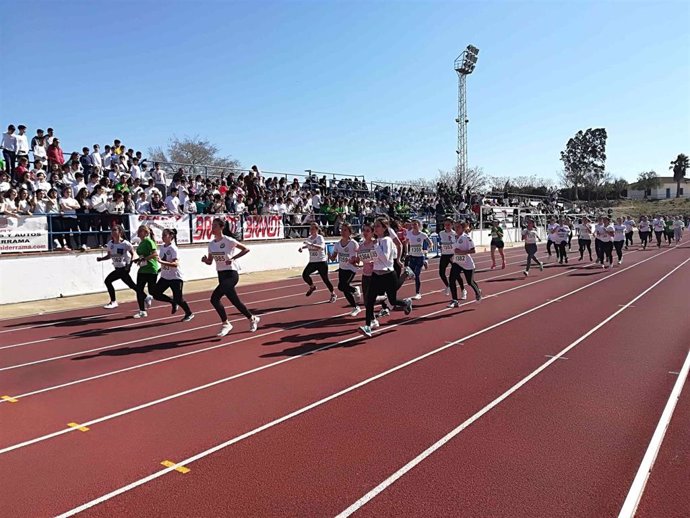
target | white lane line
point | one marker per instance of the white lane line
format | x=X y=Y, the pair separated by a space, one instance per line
x=323 y=348
x=313 y=405
x=197 y=351
x=644 y=471
x=26 y=343
x=438 y=444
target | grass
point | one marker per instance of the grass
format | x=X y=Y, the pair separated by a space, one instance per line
x=637 y=208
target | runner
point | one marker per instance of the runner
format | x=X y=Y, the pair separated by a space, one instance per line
x=147 y=259
x=599 y=234
x=550 y=228
x=383 y=279
x=365 y=257
x=497 y=242
x=629 y=224
x=678 y=225
x=446 y=242
x=658 y=224
x=619 y=230
x=416 y=239
x=668 y=230
x=463 y=263
x=316 y=245
x=171 y=276
x=530 y=236
x=569 y=222
x=562 y=238
x=584 y=237
x=607 y=234
x=645 y=231
x=121 y=252
x=344 y=251
x=221 y=250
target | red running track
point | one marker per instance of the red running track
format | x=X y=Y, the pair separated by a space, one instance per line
x=321 y=461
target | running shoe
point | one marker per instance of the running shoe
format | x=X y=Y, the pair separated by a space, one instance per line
x=479 y=295
x=493 y=266
x=463 y=295
x=408 y=306
x=311 y=290
x=620 y=261
x=358 y=293
x=187 y=318
x=333 y=298
x=254 y=324
x=111 y=305
x=355 y=311
x=140 y=314
x=366 y=330
x=225 y=329
x=541 y=267
x=426 y=264
x=375 y=324
x=384 y=313
x=409 y=272
x=174 y=308
x=454 y=304
x=525 y=273
x=148 y=301
x=446 y=292
x=503 y=267
x=418 y=296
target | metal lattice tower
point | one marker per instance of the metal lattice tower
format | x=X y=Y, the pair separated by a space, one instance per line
x=464 y=66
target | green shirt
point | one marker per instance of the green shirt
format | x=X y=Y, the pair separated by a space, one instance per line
x=496 y=233
x=146 y=248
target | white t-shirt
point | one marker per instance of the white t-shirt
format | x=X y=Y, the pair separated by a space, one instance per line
x=585 y=230
x=384 y=255
x=678 y=224
x=629 y=225
x=464 y=243
x=563 y=233
x=658 y=224
x=345 y=253
x=172 y=203
x=221 y=252
x=550 y=229
x=530 y=236
x=447 y=242
x=169 y=253
x=619 y=232
x=316 y=256
x=605 y=236
x=120 y=253
x=416 y=244
x=599 y=231
x=644 y=226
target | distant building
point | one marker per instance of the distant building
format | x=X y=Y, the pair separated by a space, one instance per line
x=665 y=190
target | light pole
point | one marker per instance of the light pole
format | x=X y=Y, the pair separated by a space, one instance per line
x=464 y=66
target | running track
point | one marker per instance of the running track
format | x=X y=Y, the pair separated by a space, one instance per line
x=544 y=400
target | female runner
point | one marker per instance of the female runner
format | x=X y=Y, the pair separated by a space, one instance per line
x=497 y=242
x=562 y=239
x=383 y=278
x=658 y=224
x=148 y=269
x=121 y=252
x=668 y=230
x=463 y=263
x=447 y=243
x=599 y=236
x=344 y=250
x=171 y=276
x=645 y=231
x=629 y=225
x=607 y=243
x=678 y=225
x=365 y=257
x=316 y=245
x=584 y=238
x=530 y=236
x=221 y=250
x=619 y=230
x=416 y=239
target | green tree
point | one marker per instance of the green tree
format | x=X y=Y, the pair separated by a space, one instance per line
x=680 y=168
x=647 y=181
x=584 y=159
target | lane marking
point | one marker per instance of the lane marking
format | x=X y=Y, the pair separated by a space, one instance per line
x=446 y=438
x=177 y=467
x=632 y=500
x=557 y=357
x=9 y=399
x=27 y=343
x=77 y=426
x=674 y=373
x=320 y=402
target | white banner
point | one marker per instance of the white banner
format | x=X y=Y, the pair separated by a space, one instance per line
x=268 y=226
x=201 y=226
x=23 y=234
x=158 y=222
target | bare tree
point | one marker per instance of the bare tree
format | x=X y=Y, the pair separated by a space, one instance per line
x=472 y=179
x=194 y=151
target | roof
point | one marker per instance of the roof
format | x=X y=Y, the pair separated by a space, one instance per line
x=662 y=180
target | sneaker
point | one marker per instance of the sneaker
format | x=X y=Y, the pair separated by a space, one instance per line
x=187 y=318
x=225 y=329
x=493 y=266
x=174 y=308
x=463 y=295
x=446 y=292
x=479 y=296
x=140 y=314
x=426 y=264
x=254 y=324
x=525 y=273
x=355 y=311
x=375 y=324
x=384 y=313
x=503 y=266
x=409 y=272
x=454 y=304
x=620 y=261
x=333 y=298
x=358 y=293
x=408 y=306
x=418 y=296
x=541 y=267
x=566 y=260
x=84 y=248
x=111 y=305
x=148 y=301
x=311 y=290
x=366 y=330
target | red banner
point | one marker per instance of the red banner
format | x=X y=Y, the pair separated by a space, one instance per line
x=201 y=228
x=268 y=226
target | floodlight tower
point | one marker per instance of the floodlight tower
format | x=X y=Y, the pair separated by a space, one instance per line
x=464 y=66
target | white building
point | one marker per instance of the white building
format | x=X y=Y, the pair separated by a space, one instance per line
x=665 y=190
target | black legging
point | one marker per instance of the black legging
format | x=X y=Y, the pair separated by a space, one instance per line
x=345 y=278
x=561 y=252
x=549 y=243
x=607 y=250
x=531 y=249
x=455 y=271
x=618 y=245
x=658 y=234
x=227 y=280
x=366 y=283
x=629 y=238
x=644 y=237
x=176 y=285
x=443 y=266
x=320 y=267
x=385 y=283
x=599 y=250
x=145 y=279
x=121 y=274
x=585 y=244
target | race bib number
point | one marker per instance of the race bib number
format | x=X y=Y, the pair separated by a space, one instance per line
x=368 y=256
x=447 y=248
x=416 y=249
x=219 y=258
x=459 y=258
x=314 y=253
x=343 y=258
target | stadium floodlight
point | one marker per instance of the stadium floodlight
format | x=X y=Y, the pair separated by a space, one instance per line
x=464 y=65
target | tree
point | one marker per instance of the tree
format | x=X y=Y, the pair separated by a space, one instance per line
x=584 y=159
x=647 y=181
x=472 y=179
x=194 y=151
x=680 y=168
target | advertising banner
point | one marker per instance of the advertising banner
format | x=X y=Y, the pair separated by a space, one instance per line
x=201 y=226
x=158 y=222
x=268 y=226
x=23 y=234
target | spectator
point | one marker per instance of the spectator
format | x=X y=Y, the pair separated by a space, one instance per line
x=25 y=206
x=41 y=184
x=8 y=207
x=38 y=148
x=39 y=136
x=172 y=202
x=22 y=143
x=55 y=155
x=142 y=205
x=157 y=205
x=9 y=149
x=96 y=159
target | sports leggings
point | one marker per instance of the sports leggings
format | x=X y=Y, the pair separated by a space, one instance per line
x=455 y=271
x=607 y=250
x=145 y=280
x=629 y=238
x=176 y=285
x=443 y=266
x=382 y=283
x=227 y=280
x=585 y=244
x=345 y=278
x=121 y=274
x=531 y=249
x=416 y=264
x=618 y=245
x=320 y=267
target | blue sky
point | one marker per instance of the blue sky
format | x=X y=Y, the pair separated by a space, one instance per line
x=355 y=87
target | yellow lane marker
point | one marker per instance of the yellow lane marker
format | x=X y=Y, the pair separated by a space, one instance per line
x=78 y=427
x=9 y=399
x=170 y=464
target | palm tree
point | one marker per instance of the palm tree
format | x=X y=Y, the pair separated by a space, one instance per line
x=680 y=167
